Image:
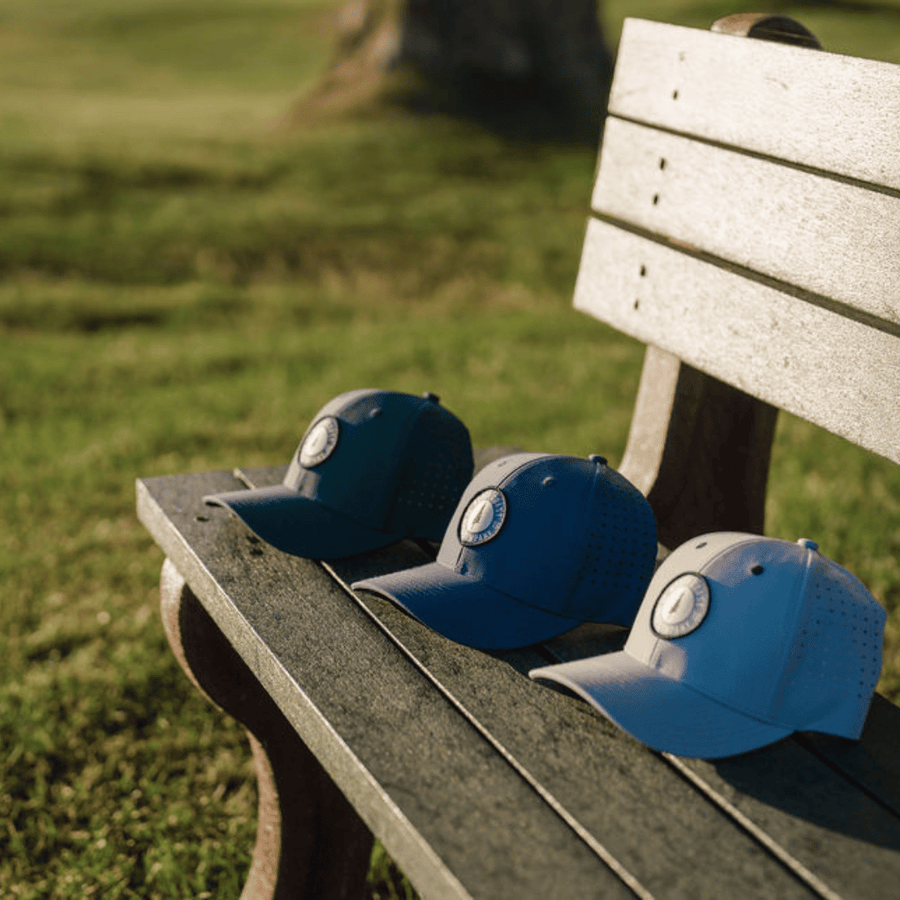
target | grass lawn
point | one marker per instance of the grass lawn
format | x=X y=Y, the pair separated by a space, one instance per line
x=184 y=281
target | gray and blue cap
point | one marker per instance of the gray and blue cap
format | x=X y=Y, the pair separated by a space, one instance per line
x=374 y=467
x=740 y=641
x=539 y=543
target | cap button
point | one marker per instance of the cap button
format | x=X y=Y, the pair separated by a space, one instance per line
x=810 y=545
x=598 y=459
x=432 y=397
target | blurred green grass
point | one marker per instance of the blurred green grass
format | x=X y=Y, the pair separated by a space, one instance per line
x=183 y=282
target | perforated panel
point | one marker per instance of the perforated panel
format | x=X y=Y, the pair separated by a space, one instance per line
x=439 y=468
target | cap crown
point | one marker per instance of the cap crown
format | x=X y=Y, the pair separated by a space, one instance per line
x=576 y=538
x=789 y=637
x=398 y=462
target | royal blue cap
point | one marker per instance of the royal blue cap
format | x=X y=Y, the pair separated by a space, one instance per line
x=740 y=641
x=373 y=467
x=539 y=543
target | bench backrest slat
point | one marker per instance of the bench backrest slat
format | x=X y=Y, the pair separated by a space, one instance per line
x=825 y=367
x=828 y=237
x=719 y=236
x=824 y=110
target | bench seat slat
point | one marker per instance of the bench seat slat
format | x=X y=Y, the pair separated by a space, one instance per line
x=550 y=736
x=795 y=355
x=823 y=110
x=786 y=792
x=874 y=763
x=415 y=770
x=825 y=236
x=797 y=801
x=784 y=785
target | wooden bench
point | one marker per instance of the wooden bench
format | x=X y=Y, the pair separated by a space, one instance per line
x=745 y=225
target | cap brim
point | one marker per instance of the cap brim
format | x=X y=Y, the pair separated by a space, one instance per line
x=300 y=526
x=665 y=714
x=467 y=611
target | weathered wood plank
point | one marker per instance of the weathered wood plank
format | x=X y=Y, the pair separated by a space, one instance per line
x=836 y=838
x=816 y=822
x=676 y=847
x=873 y=762
x=420 y=775
x=310 y=843
x=844 y=843
x=791 y=353
x=823 y=110
x=683 y=847
x=839 y=832
x=313 y=648
x=829 y=237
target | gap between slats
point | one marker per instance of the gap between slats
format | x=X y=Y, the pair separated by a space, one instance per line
x=621 y=872
x=830 y=239
x=817 y=108
x=806 y=168
x=814 y=299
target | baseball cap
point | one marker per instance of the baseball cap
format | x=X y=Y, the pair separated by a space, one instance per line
x=740 y=641
x=539 y=543
x=373 y=467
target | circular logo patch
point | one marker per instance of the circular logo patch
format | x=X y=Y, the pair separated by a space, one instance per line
x=483 y=518
x=681 y=607
x=319 y=443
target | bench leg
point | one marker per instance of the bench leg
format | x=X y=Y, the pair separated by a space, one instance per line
x=698 y=450
x=310 y=842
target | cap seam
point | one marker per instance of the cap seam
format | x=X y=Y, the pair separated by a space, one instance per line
x=397 y=474
x=788 y=643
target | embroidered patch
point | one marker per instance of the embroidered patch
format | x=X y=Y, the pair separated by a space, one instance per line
x=319 y=443
x=681 y=607
x=483 y=518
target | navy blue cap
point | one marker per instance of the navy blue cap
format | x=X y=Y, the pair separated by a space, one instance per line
x=374 y=467
x=539 y=543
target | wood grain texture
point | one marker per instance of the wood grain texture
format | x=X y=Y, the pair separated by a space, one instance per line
x=309 y=842
x=774 y=789
x=822 y=366
x=829 y=237
x=830 y=112
x=872 y=762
